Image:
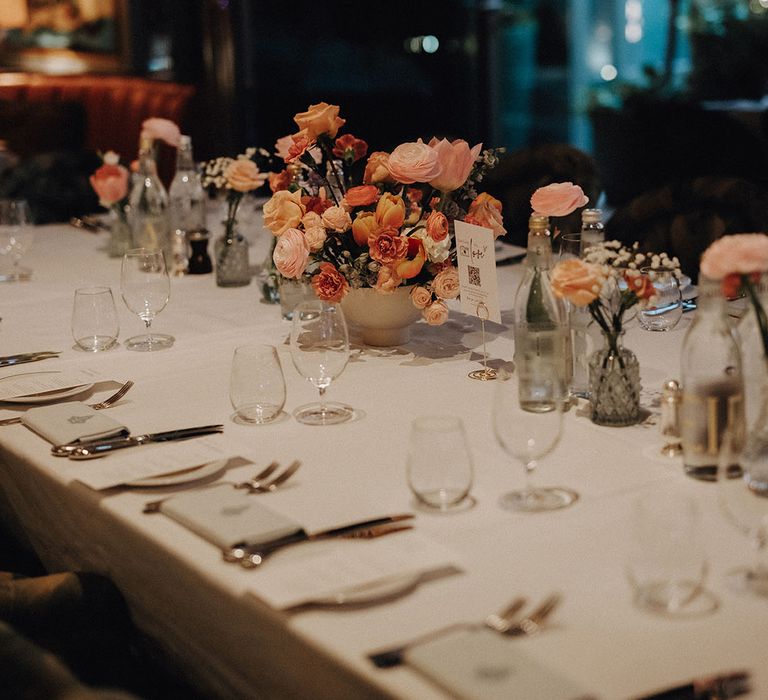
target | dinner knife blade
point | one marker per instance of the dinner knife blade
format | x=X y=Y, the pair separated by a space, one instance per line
x=720 y=687
x=100 y=448
x=12 y=360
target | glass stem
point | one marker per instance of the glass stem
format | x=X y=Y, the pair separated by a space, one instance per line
x=530 y=465
x=322 y=398
x=759 y=569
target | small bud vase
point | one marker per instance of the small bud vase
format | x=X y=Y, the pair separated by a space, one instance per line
x=120 y=237
x=614 y=380
x=232 y=267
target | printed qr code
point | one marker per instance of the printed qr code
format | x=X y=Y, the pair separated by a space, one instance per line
x=474 y=276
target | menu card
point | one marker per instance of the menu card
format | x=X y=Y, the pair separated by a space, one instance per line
x=476 y=260
x=34 y=383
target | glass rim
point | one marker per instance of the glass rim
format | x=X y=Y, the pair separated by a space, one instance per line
x=93 y=289
x=439 y=422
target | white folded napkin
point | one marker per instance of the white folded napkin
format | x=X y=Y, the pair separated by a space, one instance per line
x=72 y=421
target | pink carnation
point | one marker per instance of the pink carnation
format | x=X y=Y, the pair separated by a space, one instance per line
x=558 y=199
x=742 y=253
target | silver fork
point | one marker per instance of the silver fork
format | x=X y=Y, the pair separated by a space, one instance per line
x=258 y=484
x=532 y=624
x=106 y=403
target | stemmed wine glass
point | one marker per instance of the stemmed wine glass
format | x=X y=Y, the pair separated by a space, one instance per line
x=320 y=351
x=743 y=495
x=528 y=435
x=16 y=236
x=145 y=288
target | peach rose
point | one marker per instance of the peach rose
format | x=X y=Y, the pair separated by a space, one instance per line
x=485 y=211
x=558 y=199
x=349 y=148
x=577 y=281
x=361 y=196
x=320 y=119
x=390 y=211
x=311 y=219
x=446 y=283
x=280 y=181
x=376 y=169
x=283 y=211
x=163 y=129
x=363 y=227
x=388 y=246
x=456 y=160
x=741 y=253
x=421 y=297
x=329 y=284
x=291 y=253
x=387 y=281
x=337 y=219
x=437 y=226
x=242 y=175
x=315 y=237
x=414 y=162
x=436 y=314
x=110 y=183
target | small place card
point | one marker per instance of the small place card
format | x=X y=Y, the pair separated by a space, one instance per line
x=476 y=260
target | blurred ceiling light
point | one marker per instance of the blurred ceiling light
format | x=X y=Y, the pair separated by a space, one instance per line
x=417 y=44
x=608 y=72
x=13 y=14
x=633 y=33
x=430 y=44
x=633 y=10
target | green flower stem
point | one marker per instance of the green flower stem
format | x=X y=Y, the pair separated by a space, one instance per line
x=324 y=144
x=233 y=202
x=762 y=320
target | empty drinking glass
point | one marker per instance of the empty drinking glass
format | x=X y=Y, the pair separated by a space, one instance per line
x=257 y=385
x=94 y=319
x=439 y=462
x=16 y=236
x=568 y=246
x=666 y=563
x=667 y=306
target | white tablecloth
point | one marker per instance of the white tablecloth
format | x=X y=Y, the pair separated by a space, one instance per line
x=204 y=611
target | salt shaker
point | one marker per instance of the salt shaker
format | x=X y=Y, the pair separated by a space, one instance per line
x=671 y=398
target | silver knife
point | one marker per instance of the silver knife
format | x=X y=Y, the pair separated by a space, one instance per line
x=100 y=448
x=11 y=360
x=721 y=687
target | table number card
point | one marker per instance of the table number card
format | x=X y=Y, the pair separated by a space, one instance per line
x=476 y=260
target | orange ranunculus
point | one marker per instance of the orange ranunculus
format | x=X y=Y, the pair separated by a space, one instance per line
x=417 y=256
x=577 y=281
x=456 y=160
x=349 y=148
x=390 y=211
x=640 y=284
x=361 y=196
x=283 y=211
x=437 y=226
x=376 y=169
x=485 y=211
x=110 y=183
x=301 y=143
x=363 y=227
x=329 y=284
x=243 y=175
x=320 y=119
x=387 y=281
x=388 y=246
x=280 y=181
x=558 y=199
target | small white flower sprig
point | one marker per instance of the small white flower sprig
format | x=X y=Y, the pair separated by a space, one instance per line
x=618 y=260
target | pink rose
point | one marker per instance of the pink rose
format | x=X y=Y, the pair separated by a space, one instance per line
x=558 y=199
x=446 y=283
x=436 y=314
x=437 y=226
x=291 y=254
x=387 y=281
x=110 y=182
x=329 y=284
x=163 y=129
x=315 y=237
x=337 y=219
x=421 y=297
x=283 y=211
x=414 y=162
x=456 y=161
x=742 y=253
x=577 y=281
x=320 y=119
x=242 y=175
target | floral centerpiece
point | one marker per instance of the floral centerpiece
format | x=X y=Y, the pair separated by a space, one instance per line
x=110 y=183
x=346 y=219
x=609 y=281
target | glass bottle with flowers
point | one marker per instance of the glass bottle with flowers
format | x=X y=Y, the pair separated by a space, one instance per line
x=235 y=176
x=608 y=282
x=373 y=231
x=110 y=182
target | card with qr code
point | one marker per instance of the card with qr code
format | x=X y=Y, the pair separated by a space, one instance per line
x=476 y=260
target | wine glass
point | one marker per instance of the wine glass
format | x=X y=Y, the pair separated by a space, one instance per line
x=16 y=236
x=743 y=495
x=320 y=351
x=528 y=435
x=145 y=288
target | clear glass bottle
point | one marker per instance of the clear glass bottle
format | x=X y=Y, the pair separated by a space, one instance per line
x=541 y=328
x=149 y=204
x=713 y=384
x=187 y=206
x=591 y=228
x=753 y=358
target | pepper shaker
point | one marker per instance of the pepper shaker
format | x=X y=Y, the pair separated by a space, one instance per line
x=199 y=260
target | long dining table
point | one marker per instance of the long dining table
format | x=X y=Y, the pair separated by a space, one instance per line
x=208 y=614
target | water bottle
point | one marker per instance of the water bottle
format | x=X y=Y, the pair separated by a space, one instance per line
x=187 y=206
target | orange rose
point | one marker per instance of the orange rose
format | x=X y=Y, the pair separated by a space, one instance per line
x=388 y=246
x=337 y=219
x=376 y=169
x=280 y=181
x=577 y=281
x=446 y=283
x=437 y=226
x=485 y=211
x=436 y=314
x=283 y=211
x=315 y=237
x=421 y=297
x=387 y=281
x=242 y=175
x=329 y=284
x=349 y=148
x=361 y=196
x=363 y=227
x=320 y=119
x=110 y=183
x=390 y=211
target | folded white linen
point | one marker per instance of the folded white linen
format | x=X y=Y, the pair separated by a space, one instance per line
x=72 y=421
